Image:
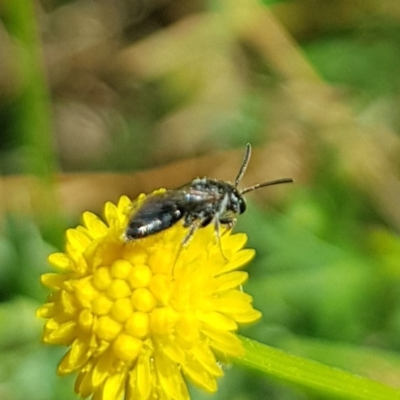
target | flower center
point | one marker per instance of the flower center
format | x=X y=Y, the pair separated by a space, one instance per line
x=126 y=303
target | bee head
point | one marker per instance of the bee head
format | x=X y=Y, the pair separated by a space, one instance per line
x=240 y=203
x=236 y=204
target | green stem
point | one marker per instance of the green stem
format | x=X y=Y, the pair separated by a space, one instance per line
x=34 y=113
x=312 y=374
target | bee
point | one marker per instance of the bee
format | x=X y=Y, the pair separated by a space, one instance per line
x=197 y=203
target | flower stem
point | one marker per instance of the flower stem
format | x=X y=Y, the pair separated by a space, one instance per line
x=312 y=374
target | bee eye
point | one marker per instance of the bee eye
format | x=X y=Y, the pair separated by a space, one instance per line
x=242 y=206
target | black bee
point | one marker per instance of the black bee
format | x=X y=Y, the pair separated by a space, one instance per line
x=198 y=203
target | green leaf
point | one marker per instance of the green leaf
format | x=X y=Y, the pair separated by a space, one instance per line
x=312 y=374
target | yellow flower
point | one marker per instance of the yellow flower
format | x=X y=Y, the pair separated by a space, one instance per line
x=141 y=315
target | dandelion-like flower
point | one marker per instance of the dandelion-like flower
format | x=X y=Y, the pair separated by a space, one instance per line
x=140 y=316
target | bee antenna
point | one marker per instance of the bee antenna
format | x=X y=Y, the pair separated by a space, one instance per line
x=245 y=163
x=270 y=183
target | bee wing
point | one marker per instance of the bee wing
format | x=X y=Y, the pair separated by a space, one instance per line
x=172 y=201
x=158 y=212
x=156 y=204
x=161 y=211
x=195 y=196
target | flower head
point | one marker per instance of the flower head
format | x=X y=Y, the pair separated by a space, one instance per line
x=139 y=316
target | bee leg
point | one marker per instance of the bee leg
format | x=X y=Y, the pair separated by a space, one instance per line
x=217 y=222
x=217 y=229
x=193 y=226
x=231 y=224
x=192 y=229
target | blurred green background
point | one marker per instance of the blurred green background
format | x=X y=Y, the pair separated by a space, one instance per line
x=94 y=91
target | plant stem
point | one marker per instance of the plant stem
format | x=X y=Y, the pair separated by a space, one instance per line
x=312 y=374
x=33 y=121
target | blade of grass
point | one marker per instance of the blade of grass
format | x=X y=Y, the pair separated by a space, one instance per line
x=34 y=113
x=312 y=374
x=33 y=126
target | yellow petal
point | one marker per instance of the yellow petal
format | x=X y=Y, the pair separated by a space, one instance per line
x=233 y=301
x=78 y=262
x=251 y=315
x=170 y=378
x=46 y=311
x=171 y=348
x=64 y=334
x=83 y=383
x=123 y=202
x=111 y=213
x=53 y=280
x=124 y=206
x=234 y=242
x=73 y=359
x=79 y=353
x=217 y=320
x=102 y=278
x=102 y=368
x=163 y=320
x=60 y=261
x=188 y=327
x=68 y=303
x=200 y=376
x=94 y=224
x=206 y=358
x=224 y=342
x=141 y=379
x=113 y=386
x=84 y=291
x=78 y=240
x=239 y=260
x=86 y=320
x=229 y=281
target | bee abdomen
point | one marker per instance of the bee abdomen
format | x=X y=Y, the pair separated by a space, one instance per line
x=148 y=222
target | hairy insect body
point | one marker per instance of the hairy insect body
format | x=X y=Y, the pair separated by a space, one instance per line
x=158 y=212
x=197 y=204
